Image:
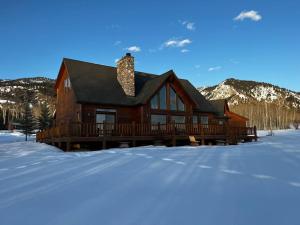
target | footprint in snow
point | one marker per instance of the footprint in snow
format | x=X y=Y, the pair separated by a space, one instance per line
x=21 y=167
x=295 y=184
x=205 y=167
x=231 y=171
x=111 y=152
x=167 y=159
x=263 y=176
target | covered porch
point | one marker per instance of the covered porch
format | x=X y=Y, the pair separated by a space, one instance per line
x=73 y=136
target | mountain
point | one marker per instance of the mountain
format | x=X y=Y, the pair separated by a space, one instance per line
x=12 y=93
x=243 y=91
x=247 y=98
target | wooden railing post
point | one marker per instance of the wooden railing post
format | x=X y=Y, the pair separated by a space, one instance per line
x=202 y=135
x=133 y=128
x=227 y=133
x=255 y=133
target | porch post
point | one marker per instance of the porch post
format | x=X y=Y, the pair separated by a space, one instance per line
x=255 y=133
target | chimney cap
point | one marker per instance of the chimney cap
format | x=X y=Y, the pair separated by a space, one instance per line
x=128 y=54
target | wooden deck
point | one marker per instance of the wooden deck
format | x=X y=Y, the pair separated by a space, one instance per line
x=103 y=135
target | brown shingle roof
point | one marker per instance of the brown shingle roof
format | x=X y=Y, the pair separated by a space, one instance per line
x=94 y=83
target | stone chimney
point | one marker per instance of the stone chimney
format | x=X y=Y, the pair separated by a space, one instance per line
x=125 y=71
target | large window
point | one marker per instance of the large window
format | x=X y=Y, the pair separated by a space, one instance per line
x=175 y=102
x=163 y=98
x=158 y=119
x=195 y=119
x=158 y=122
x=178 y=119
x=173 y=105
x=159 y=101
x=154 y=102
x=204 y=120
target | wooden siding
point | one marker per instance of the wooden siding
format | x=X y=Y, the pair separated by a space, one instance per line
x=123 y=114
x=66 y=107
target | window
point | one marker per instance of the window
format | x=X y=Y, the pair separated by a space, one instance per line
x=173 y=105
x=163 y=98
x=180 y=104
x=156 y=119
x=159 y=101
x=154 y=102
x=178 y=119
x=158 y=122
x=67 y=84
x=195 y=119
x=175 y=102
x=204 y=120
x=106 y=116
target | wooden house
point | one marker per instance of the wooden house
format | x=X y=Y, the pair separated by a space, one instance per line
x=108 y=105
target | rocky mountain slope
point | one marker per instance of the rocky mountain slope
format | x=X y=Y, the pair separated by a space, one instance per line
x=242 y=91
x=13 y=93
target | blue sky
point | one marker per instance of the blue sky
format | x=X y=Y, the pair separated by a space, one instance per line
x=203 y=41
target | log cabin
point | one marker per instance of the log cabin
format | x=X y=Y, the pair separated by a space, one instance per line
x=234 y=119
x=112 y=105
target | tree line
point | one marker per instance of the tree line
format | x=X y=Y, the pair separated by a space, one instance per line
x=269 y=116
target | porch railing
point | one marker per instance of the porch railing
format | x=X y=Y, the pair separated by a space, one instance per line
x=140 y=129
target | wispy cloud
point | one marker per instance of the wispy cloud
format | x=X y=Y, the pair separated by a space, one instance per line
x=113 y=26
x=234 y=61
x=116 y=60
x=134 y=49
x=215 y=68
x=184 y=50
x=188 y=25
x=252 y=15
x=197 y=66
x=117 y=43
x=177 y=43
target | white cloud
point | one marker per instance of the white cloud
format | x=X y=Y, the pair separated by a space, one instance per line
x=188 y=25
x=197 y=66
x=116 y=60
x=134 y=49
x=252 y=15
x=184 y=50
x=117 y=43
x=177 y=43
x=211 y=69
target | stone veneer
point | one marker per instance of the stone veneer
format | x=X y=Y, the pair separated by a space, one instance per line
x=125 y=71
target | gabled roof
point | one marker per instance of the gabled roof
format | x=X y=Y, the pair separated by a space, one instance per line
x=219 y=105
x=95 y=83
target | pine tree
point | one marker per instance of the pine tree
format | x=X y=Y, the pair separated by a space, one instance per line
x=44 y=120
x=28 y=123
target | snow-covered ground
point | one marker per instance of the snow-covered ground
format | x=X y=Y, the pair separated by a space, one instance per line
x=255 y=183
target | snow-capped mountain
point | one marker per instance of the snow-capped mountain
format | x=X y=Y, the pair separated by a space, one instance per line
x=13 y=91
x=242 y=91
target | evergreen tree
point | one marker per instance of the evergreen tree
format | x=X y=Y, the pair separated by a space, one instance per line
x=44 y=120
x=28 y=123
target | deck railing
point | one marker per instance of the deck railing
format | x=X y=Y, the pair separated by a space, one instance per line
x=143 y=129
